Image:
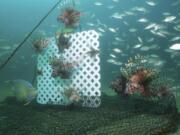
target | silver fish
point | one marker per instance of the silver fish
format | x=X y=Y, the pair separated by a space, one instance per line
x=5 y=47
x=175 y=38
x=112 y=55
x=143 y=20
x=151 y=3
x=117 y=50
x=98 y=4
x=169 y=19
x=112 y=30
x=117 y=15
x=175 y=46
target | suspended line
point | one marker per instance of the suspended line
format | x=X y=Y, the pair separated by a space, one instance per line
x=27 y=37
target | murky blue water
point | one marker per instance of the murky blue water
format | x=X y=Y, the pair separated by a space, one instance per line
x=126 y=28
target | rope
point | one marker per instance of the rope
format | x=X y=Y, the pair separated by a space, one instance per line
x=27 y=37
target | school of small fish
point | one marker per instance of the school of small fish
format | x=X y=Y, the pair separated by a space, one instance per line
x=131 y=30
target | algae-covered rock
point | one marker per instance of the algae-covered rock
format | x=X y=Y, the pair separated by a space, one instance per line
x=109 y=119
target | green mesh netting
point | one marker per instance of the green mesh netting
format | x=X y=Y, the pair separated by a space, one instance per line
x=116 y=116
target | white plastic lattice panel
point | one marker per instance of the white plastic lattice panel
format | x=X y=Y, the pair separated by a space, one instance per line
x=85 y=78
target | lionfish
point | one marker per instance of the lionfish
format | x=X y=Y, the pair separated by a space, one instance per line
x=92 y=52
x=139 y=74
x=63 y=42
x=139 y=81
x=40 y=44
x=72 y=95
x=61 y=68
x=145 y=79
x=70 y=17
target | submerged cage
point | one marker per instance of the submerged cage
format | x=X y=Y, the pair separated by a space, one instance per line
x=85 y=78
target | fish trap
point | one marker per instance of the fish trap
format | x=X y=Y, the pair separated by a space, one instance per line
x=85 y=78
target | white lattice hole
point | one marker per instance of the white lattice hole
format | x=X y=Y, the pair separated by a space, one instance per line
x=85 y=78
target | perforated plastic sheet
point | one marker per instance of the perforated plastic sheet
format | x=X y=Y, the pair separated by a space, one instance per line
x=86 y=75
